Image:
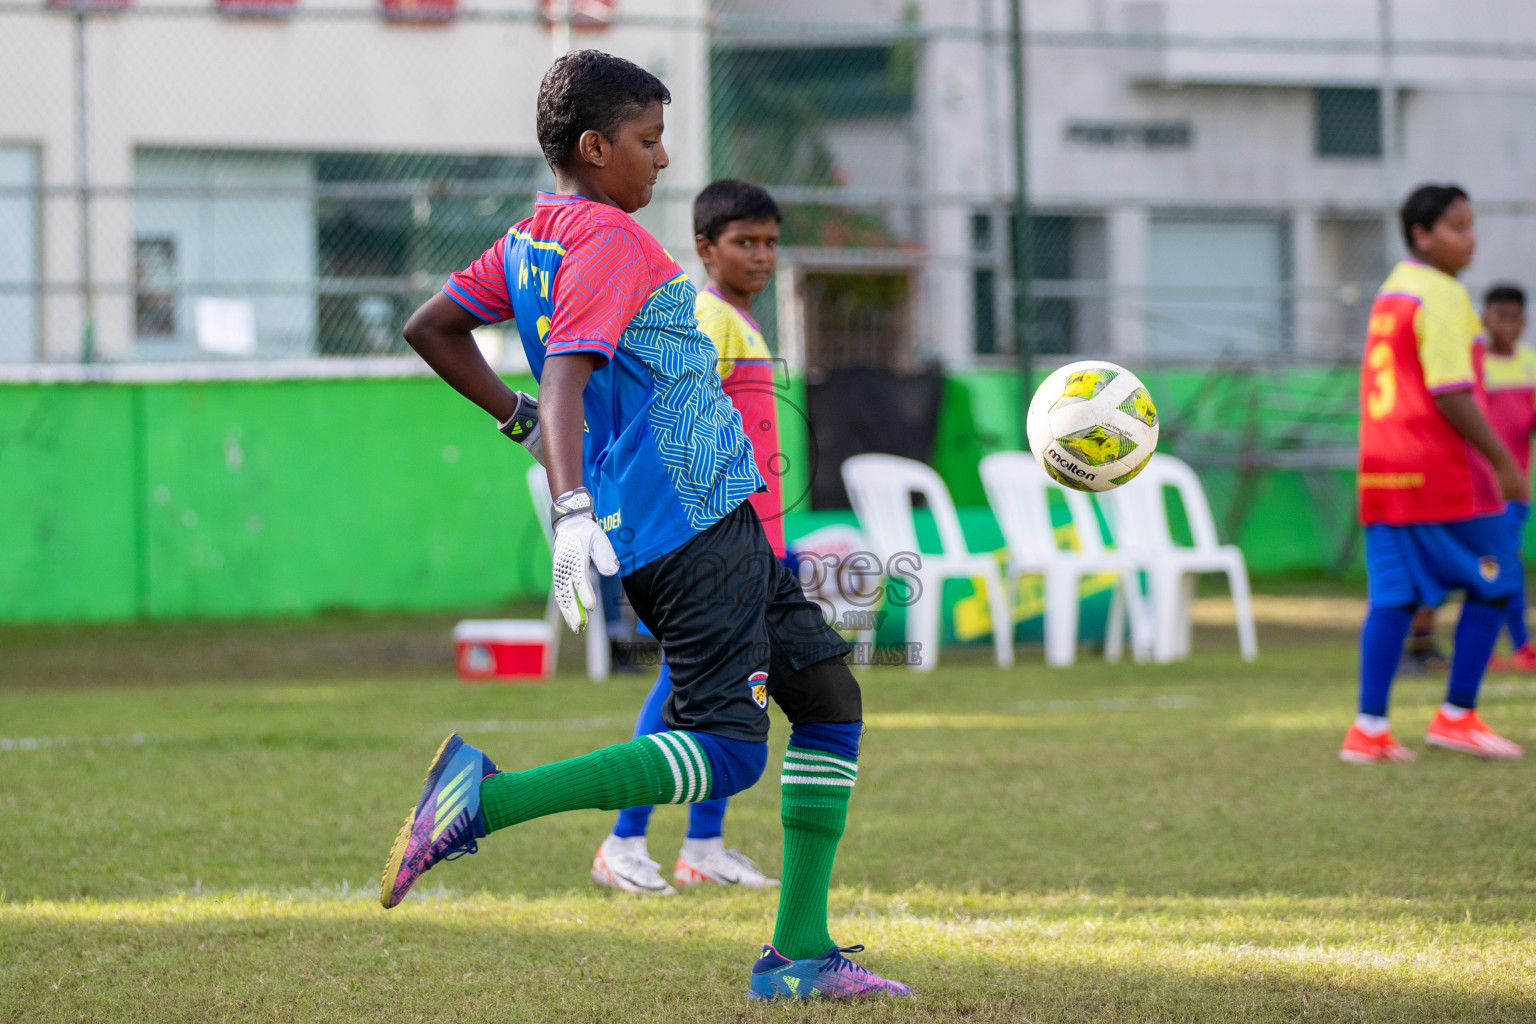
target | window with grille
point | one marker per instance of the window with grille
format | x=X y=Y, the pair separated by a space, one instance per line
x=1348 y=122
x=155 y=283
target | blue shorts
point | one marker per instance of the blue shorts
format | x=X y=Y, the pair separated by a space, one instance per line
x=1516 y=513
x=1408 y=566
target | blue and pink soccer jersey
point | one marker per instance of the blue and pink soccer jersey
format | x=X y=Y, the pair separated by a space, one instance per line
x=665 y=455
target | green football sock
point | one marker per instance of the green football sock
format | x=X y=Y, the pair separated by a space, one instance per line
x=813 y=809
x=665 y=767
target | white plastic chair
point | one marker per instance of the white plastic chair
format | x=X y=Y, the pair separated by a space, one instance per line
x=1142 y=533
x=598 y=664
x=1019 y=494
x=880 y=487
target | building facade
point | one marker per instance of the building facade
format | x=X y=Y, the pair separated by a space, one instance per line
x=1209 y=179
x=282 y=180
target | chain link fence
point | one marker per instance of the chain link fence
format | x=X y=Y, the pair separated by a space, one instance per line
x=287 y=181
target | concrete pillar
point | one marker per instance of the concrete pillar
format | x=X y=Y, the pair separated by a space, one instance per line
x=1307 y=313
x=1127 y=229
x=112 y=242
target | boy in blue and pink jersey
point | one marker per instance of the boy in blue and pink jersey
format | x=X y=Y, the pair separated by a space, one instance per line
x=736 y=234
x=651 y=473
x=1433 y=480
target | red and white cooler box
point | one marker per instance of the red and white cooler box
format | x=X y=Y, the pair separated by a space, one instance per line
x=508 y=649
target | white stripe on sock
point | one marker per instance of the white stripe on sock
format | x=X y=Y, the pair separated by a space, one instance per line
x=684 y=795
x=666 y=751
x=702 y=760
x=824 y=768
x=806 y=780
x=685 y=785
x=850 y=765
x=695 y=768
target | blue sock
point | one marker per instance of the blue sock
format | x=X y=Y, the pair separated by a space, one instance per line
x=633 y=822
x=1476 y=633
x=841 y=739
x=734 y=765
x=1381 y=646
x=706 y=820
x=1519 y=634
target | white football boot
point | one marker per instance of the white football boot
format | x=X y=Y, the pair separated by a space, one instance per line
x=707 y=861
x=624 y=864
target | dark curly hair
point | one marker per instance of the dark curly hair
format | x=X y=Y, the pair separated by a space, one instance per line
x=591 y=90
x=1425 y=206
x=1504 y=293
x=731 y=199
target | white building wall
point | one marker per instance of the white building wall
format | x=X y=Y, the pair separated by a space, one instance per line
x=311 y=83
x=19 y=306
x=198 y=80
x=241 y=244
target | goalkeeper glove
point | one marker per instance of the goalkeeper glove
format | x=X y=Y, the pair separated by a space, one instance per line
x=523 y=426
x=578 y=540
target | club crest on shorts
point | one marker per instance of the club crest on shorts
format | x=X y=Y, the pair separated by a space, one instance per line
x=1488 y=568
x=759 y=683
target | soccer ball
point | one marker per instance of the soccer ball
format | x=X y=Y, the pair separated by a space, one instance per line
x=1092 y=425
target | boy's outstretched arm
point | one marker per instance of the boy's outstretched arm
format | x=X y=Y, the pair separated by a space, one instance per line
x=1461 y=409
x=439 y=331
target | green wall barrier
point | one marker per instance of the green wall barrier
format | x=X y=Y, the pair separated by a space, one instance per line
x=70 y=540
x=240 y=498
x=230 y=499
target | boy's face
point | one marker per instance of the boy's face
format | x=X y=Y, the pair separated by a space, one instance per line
x=1505 y=322
x=1449 y=244
x=744 y=255
x=623 y=170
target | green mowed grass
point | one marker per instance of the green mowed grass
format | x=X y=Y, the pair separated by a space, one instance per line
x=1108 y=843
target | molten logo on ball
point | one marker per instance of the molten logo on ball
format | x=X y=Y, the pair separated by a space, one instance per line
x=1092 y=425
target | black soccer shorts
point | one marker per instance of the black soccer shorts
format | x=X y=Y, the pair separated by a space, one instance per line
x=733 y=623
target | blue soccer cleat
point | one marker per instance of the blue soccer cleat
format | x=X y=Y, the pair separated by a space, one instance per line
x=829 y=976
x=445 y=822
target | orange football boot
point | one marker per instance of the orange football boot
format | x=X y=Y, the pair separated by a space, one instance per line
x=1521 y=659
x=1470 y=735
x=1360 y=747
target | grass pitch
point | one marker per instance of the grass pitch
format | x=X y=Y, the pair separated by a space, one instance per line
x=1131 y=843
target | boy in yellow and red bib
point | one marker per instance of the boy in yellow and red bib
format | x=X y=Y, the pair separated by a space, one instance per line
x=1509 y=369
x=1434 y=477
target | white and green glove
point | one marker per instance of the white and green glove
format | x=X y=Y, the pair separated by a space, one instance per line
x=578 y=540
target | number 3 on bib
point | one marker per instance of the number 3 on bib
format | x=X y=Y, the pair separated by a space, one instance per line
x=1383 y=394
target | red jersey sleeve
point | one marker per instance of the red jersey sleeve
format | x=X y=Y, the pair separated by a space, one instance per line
x=605 y=277
x=481 y=288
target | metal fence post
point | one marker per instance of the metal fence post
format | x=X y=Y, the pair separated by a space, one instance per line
x=83 y=183
x=1023 y=237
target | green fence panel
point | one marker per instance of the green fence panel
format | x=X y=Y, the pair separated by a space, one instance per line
x=69 y=548
x=226 y=499
x=288 y=497
x=982 y=413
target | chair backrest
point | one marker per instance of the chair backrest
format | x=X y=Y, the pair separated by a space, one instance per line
x=880 y=488
x=538 y=493
x=1141 y=513
x=1019 y=493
